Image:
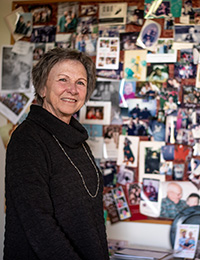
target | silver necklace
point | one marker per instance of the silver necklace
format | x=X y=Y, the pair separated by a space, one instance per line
x=79 y=172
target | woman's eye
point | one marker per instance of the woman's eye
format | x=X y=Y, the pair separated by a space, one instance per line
x=81 y=83
x=64 y=80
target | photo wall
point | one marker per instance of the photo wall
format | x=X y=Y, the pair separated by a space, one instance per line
x=143 y=118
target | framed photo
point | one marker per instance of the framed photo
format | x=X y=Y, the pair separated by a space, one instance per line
x=95 y=112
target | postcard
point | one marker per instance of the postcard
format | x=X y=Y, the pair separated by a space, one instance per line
x=112 y=13
x=164 y=52
x=150 y=158
x=135 y=65
x=186 y=240
x=95 y=112
x=14 y=105
x=128 y=151
x=107 y=53
x=149 y=35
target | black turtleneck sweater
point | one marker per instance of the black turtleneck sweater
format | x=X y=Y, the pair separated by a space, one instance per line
x=49 y=213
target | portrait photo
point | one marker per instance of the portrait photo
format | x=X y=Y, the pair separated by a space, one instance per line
x=15 y=70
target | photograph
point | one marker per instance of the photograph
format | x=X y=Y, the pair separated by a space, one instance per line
x=96 y=113
x=15 y=70
x=186 y=240
x=128 y=41
x=128 y=151
x=150 y=155
x=187 y=33
x=67 y=18
x=157 y=72
x=150 y=188
x=42 y=14
x=176 y=196
x=14 y=105
x=111 y=140
x=149 y=35
x=164 y=53
x=135 y=16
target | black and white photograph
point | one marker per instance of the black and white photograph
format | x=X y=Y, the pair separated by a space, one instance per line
x=187 y=33
x=15 y=71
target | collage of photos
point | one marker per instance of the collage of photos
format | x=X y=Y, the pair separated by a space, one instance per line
x=143 y=118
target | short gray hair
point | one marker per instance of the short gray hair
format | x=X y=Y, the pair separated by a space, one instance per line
x=41 y=70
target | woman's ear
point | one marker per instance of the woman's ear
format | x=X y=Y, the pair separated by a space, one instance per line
x=43 y=92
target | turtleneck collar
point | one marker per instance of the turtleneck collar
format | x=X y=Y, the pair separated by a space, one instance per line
x=72 y=134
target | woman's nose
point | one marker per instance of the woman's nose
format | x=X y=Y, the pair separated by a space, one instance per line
x=72 y=88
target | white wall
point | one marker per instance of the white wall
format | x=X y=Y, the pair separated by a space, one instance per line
x=136 y=233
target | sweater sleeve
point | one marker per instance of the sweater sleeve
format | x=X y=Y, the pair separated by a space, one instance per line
x=27 y=186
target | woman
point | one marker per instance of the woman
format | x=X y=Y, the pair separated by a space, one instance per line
x=53 y=186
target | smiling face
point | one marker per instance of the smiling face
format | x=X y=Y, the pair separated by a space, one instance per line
x=65 y=90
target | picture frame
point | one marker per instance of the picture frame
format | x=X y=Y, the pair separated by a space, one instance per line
x=88 y=113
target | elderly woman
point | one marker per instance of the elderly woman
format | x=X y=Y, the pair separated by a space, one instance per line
x=53 y=186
